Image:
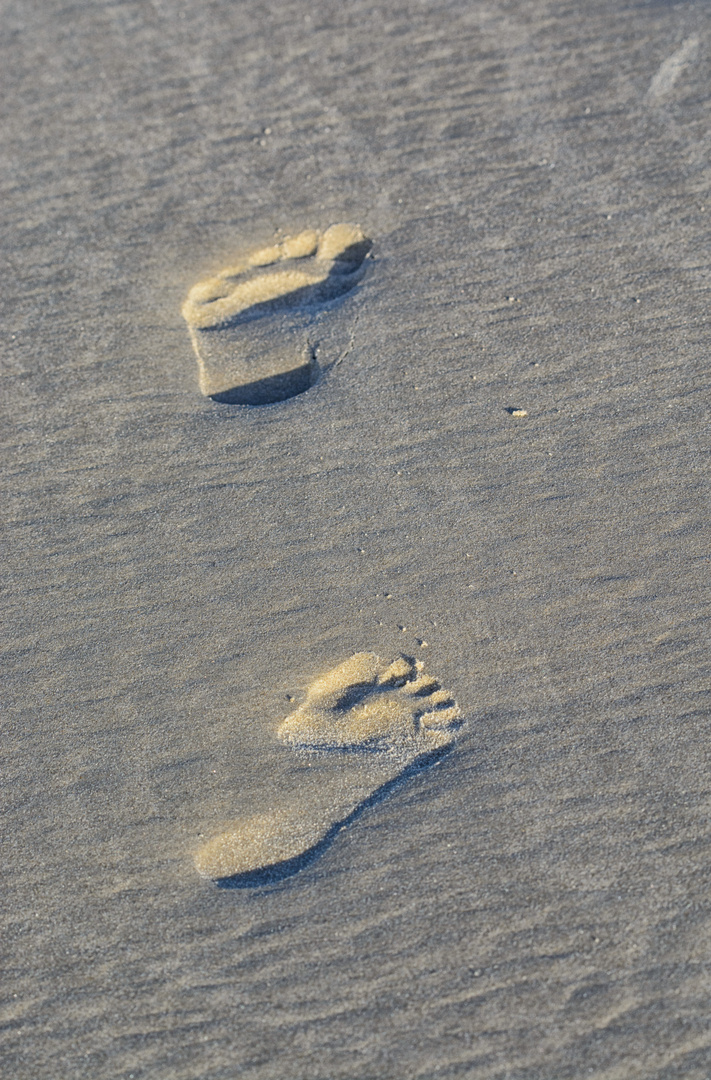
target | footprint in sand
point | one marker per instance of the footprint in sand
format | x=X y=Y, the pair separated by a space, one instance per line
x=379 y=720
x=249 y=324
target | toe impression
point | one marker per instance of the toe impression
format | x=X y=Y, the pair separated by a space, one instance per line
x=366 y=704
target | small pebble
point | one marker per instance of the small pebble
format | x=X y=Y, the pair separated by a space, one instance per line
x=519 y=412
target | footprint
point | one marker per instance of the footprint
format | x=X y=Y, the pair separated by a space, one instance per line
x=249 y=323
x=379 y=720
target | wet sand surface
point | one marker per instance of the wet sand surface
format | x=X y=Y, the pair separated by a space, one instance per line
x=176 y=571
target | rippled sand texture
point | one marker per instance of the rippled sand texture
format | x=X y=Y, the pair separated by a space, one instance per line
x=501 y=470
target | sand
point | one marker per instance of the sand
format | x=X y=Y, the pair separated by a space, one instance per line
x=178 y=571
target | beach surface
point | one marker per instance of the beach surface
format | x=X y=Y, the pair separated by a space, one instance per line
x=501 y=470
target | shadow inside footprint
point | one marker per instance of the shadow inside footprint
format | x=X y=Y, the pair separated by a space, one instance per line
x=249 y=324
x=272 y=388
